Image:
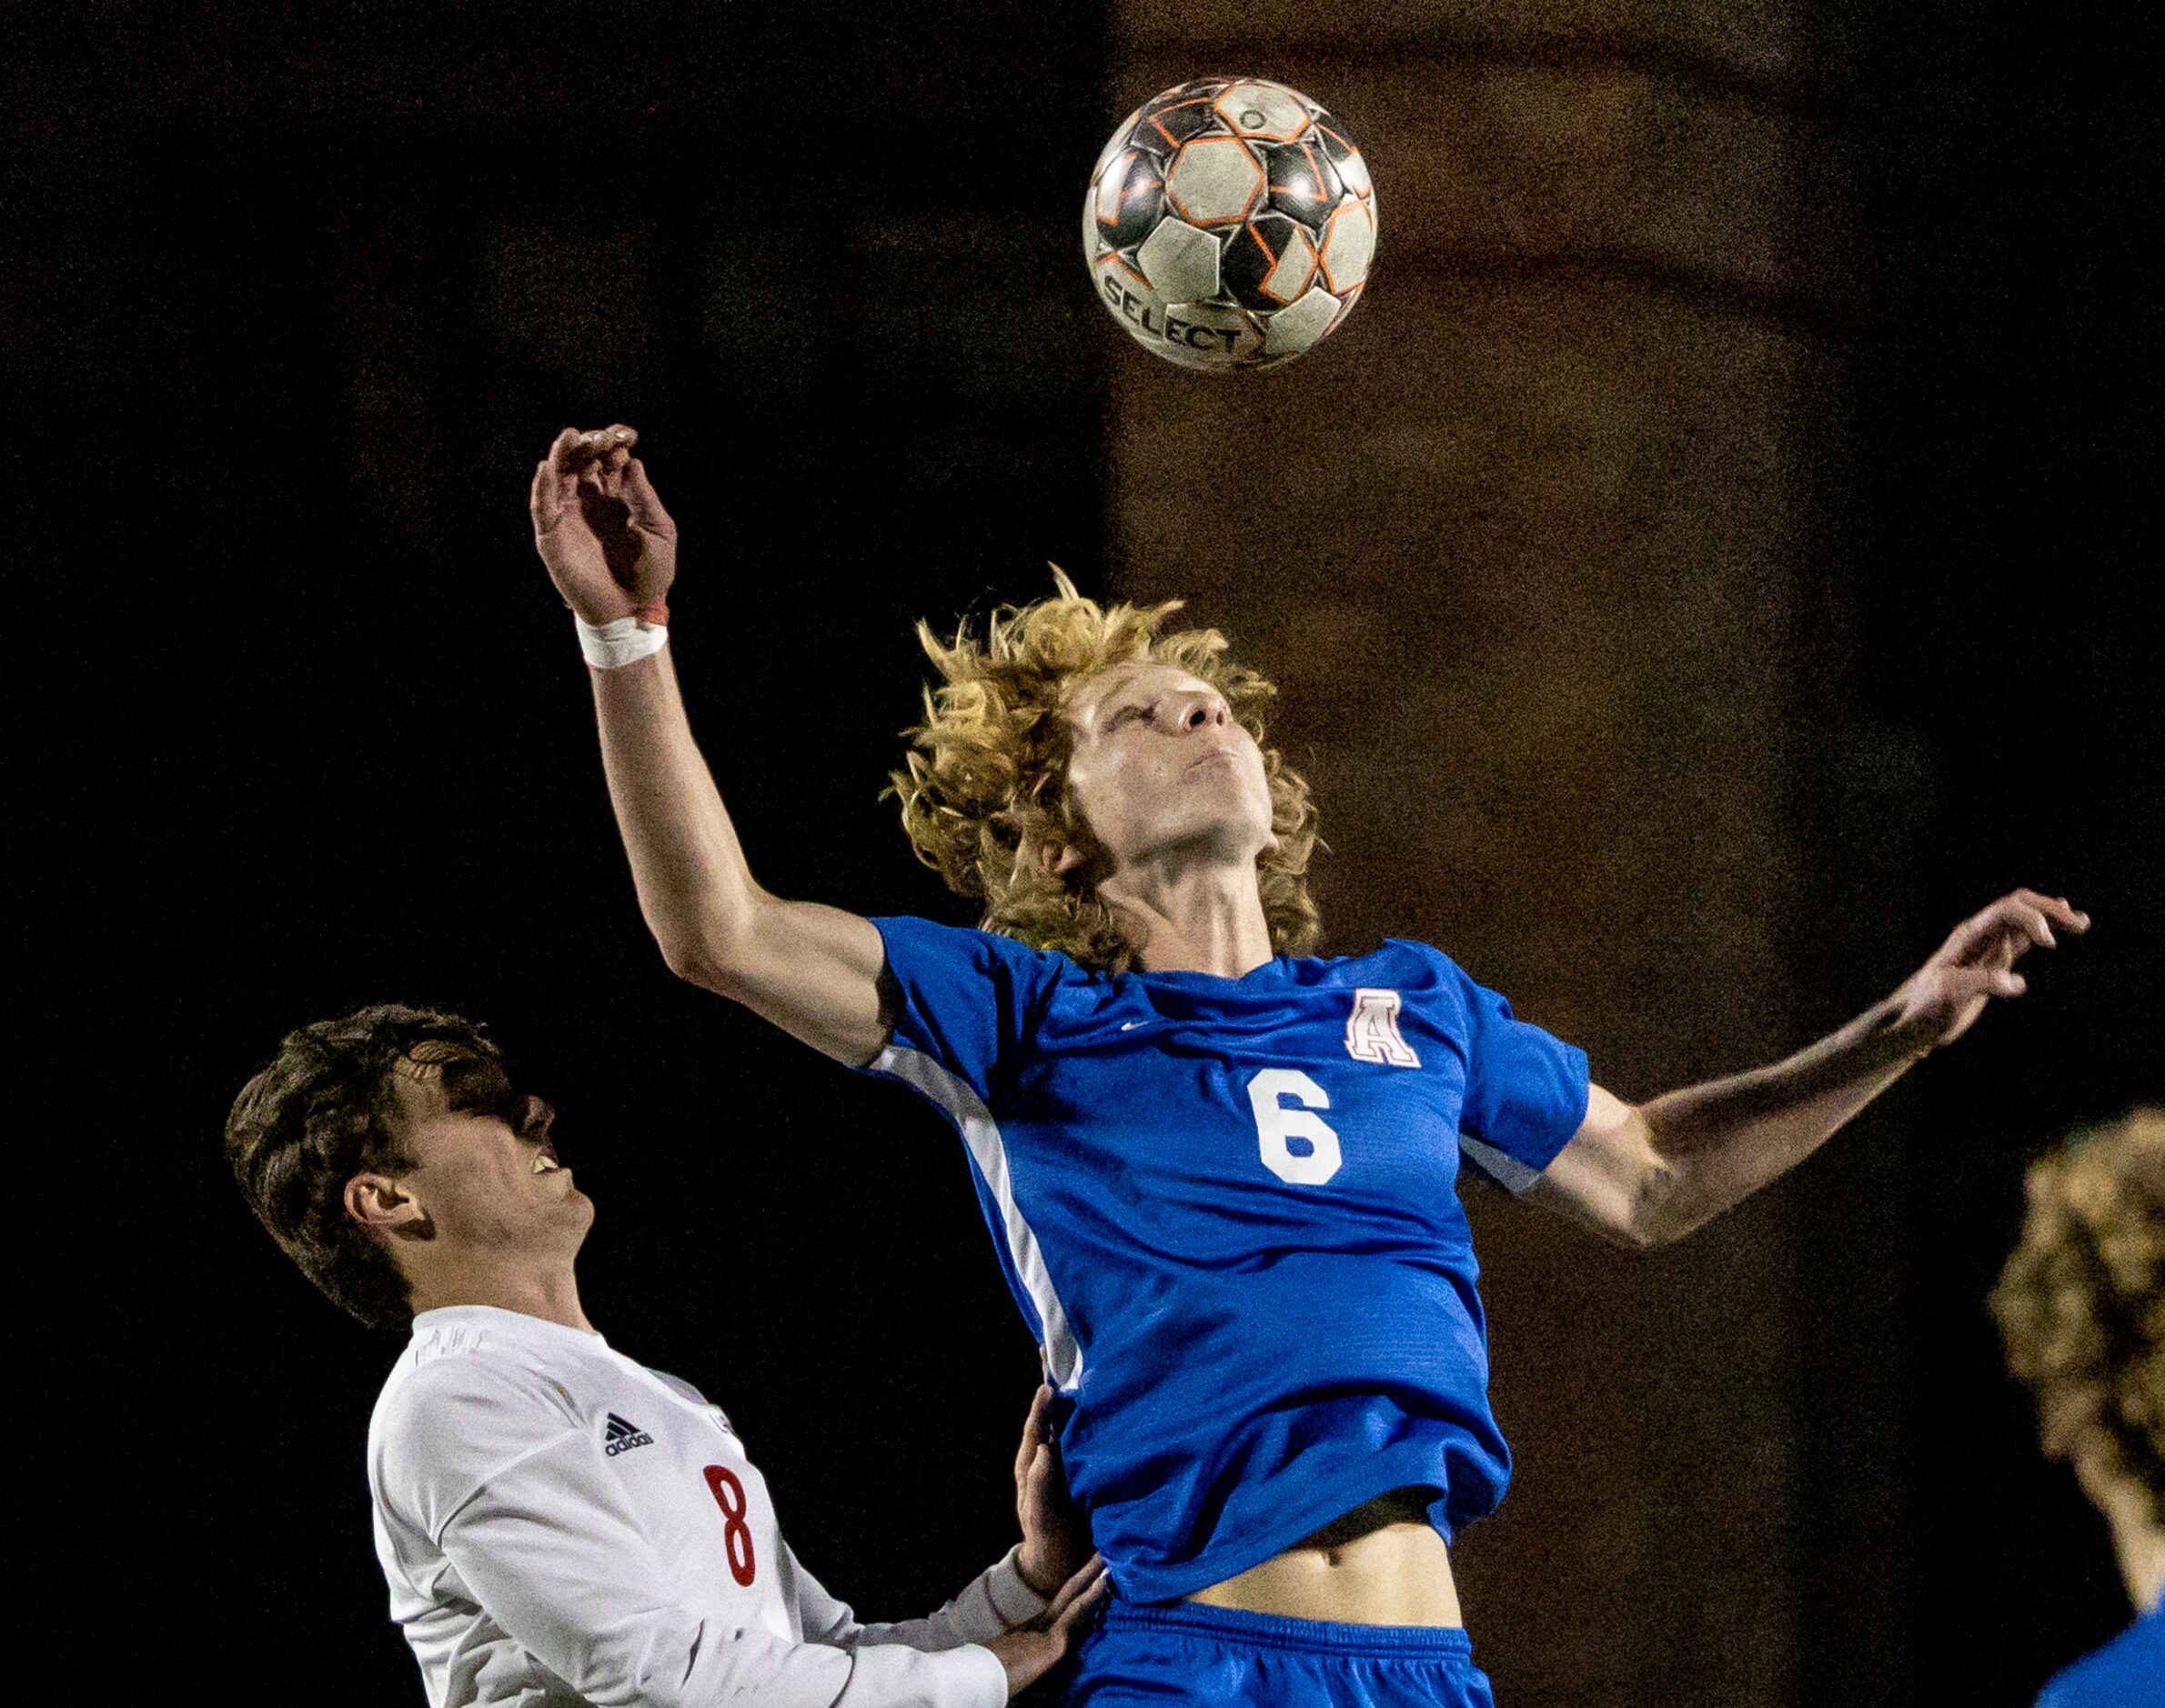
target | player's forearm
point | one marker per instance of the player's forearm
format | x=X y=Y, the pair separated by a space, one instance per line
x=997 y=1599
x=813 y=971
x=695 y=889
x=1719 y=1143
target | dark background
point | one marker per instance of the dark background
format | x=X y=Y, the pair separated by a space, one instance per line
x=294 y=299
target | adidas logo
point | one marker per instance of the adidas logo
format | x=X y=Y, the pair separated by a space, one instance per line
x=621 y=1437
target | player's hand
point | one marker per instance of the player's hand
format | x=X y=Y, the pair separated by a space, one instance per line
x=1942 y=998
x=1055 y=1541
x=599 y=526
x=1029 y=1652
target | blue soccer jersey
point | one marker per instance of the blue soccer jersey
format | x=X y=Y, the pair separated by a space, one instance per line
x=1228 y=1208
x=2127 y=1673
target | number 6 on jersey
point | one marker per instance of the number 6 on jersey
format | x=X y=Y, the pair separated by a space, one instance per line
x=1278 y=1126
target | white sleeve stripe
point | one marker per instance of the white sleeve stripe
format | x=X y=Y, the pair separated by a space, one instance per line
x=918 y=1071
x=1507 y=1170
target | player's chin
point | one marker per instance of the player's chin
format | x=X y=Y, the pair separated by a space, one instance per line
x=1231 y=840
x=1224 y=788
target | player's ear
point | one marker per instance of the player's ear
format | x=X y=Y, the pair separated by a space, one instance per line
x=380 y=1202
x=1057 y=844
x=1049 y=856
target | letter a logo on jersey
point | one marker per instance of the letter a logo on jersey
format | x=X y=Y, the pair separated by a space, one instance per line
x=1372 y=1030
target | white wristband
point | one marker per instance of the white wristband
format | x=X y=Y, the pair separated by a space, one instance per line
x=625 y=641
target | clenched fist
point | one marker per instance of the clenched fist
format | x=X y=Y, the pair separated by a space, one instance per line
x=599 y=526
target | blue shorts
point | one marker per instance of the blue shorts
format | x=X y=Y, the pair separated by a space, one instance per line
x=1184 y=1651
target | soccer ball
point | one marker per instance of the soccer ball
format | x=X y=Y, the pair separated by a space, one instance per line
x=1229 y=224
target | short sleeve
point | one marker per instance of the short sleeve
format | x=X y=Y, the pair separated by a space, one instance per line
x=966 y=1000
x=1525 y=1090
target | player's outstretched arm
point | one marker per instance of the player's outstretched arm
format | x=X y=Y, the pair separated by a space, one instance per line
x=611 y=549
x=1651 y=1173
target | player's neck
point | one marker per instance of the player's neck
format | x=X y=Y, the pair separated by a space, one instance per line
x=2137 y=1538
x=2140 y=1546
x=551 y=1293
x=1200 y=918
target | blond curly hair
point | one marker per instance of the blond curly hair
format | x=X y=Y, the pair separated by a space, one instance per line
x=2081 y=1302
x=985 y=793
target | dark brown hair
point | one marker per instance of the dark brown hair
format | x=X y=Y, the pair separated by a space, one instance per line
x=324 y=1110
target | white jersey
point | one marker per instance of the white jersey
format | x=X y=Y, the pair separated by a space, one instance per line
x=562 y=1525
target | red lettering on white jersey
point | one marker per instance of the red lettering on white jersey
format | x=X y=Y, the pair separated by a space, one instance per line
x=1372 y=1030
x=735 y=1535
